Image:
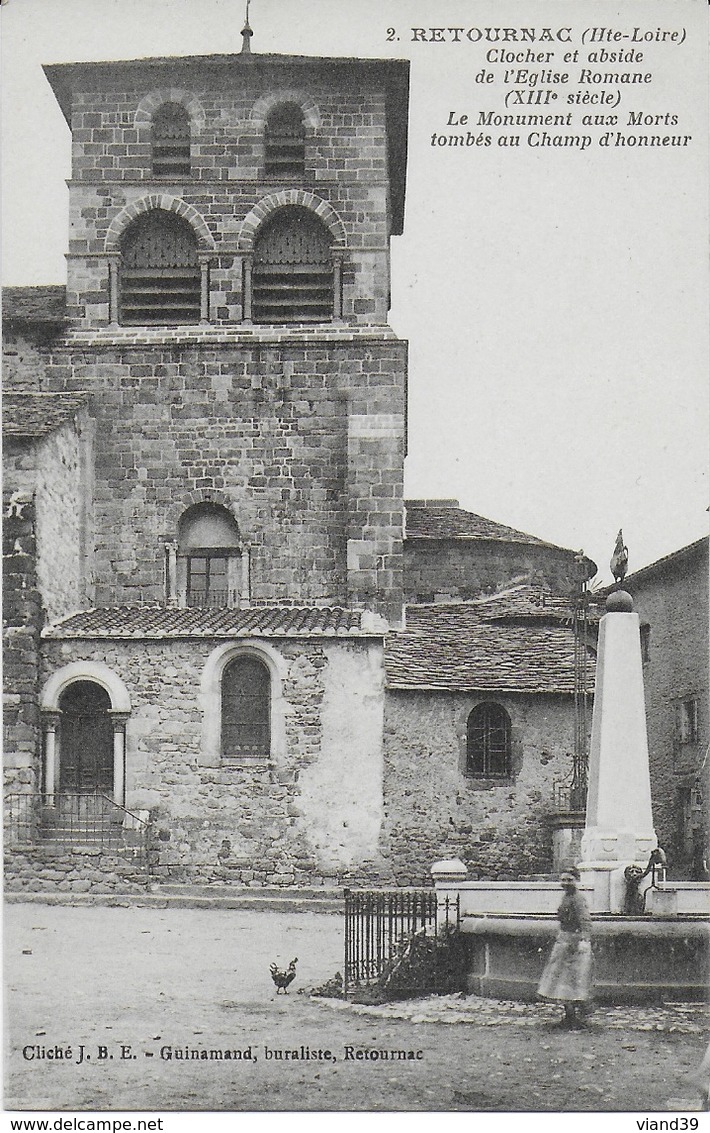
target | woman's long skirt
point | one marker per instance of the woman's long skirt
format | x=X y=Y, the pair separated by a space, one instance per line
x=568 y=973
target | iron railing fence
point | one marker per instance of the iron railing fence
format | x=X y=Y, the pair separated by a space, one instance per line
x=378 y=925
x=569 y=795
x=74 y=820
x=22 y=819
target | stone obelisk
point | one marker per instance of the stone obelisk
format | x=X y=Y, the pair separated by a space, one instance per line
x=619 y=821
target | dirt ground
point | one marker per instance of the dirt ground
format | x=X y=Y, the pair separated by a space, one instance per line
x=146 y=979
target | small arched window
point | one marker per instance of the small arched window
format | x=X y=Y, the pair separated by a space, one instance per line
x=171 y=141
x=210 y=557
x=246 y=709
x=285 y=142
x=160 y=271
x=293 y=277
x=488 y=742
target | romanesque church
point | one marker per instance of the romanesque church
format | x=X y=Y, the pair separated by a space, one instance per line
x=229 y=639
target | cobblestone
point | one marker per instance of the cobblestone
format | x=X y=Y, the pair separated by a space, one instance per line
x=669 y=1018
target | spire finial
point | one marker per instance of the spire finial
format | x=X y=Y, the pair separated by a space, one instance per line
x=247 y=33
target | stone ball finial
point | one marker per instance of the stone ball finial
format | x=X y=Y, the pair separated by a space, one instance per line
x=619 y=602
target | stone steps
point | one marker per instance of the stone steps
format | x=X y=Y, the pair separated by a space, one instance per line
x=316 y=899
x=198 y=897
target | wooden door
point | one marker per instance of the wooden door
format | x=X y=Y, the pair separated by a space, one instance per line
x=86 y=741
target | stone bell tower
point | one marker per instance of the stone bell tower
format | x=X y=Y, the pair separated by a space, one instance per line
x=228 y=291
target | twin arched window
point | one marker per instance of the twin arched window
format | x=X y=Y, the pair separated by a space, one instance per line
x=293 y=278
x=284 y=141
x=488 y=748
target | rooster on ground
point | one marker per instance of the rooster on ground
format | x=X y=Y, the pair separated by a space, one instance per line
x=283 y=979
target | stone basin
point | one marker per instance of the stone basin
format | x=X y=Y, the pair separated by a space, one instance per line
x=636 y=959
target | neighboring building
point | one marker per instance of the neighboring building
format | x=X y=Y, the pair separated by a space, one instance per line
x=479 y=726
x=204 y=540
x=671 y=599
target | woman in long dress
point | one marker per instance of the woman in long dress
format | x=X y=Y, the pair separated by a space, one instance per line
x=567 y=977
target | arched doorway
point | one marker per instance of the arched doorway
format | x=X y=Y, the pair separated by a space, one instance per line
x=87 y=748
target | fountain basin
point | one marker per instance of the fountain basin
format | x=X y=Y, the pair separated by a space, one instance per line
x=636 y=959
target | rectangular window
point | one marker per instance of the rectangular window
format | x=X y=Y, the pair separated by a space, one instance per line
x=688 y=721
x=645 y=631
x=207 y=583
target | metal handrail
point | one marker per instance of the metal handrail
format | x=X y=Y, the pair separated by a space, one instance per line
x=31 y=820
x=119 y=806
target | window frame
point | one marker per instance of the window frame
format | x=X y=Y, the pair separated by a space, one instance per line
x=687 y=722
x=316 y=280
x=230 y=596
x=486 y=774
x=132 y=278
x=278 y=141
x=257 y=752
x=210 y=754
x=183 y=144
x=192 y=544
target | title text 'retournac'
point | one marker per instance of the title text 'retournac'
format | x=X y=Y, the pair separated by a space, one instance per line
x=541 y=35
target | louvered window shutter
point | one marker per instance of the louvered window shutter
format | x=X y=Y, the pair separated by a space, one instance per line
x=171 y=141
x=285 y=142
x=160 y=272
x=293 y=270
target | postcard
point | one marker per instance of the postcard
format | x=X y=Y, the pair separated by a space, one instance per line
x=355 y=558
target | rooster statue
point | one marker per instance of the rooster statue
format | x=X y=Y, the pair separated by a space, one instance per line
x=619 y=560
x=283 y=979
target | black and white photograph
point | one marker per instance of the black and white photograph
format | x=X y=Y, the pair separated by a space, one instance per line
x=355 y=562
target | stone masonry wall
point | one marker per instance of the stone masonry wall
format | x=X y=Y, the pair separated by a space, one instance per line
x=51 y=471
x=22 y=363
x=434 y=811
x=312 y=814
x=77 y=870
x=674 y=604
x=22 y=619
x=468 y=568
x=346 y=165
x=61 y=500
x=263 y=430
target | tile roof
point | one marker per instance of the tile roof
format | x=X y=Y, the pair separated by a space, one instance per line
x=46 y=304
x=523 y=603
x=455 y=648
x=36 y=414
x=159 y=622
x=455 y=523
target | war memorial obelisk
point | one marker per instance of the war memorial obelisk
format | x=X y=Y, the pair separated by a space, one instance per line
x=619 y=821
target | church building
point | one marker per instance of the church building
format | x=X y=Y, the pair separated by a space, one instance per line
x=233 y=652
